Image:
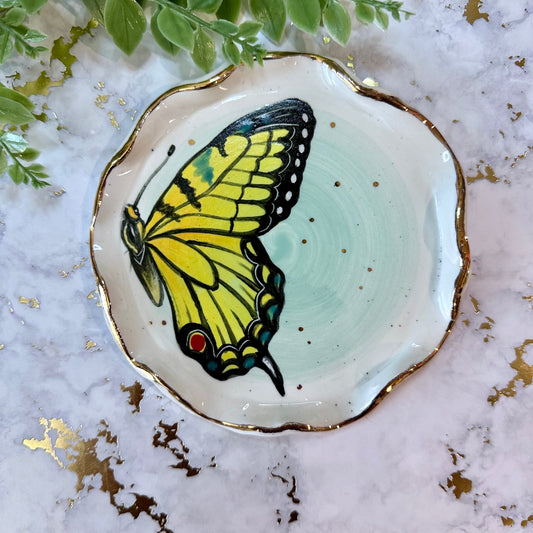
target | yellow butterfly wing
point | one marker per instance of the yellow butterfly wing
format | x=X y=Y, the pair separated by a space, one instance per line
x=201 y=239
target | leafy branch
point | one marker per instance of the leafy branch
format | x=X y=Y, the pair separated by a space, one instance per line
x=194 y=26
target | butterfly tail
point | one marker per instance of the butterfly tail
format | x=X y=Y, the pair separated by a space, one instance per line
x=268 y=365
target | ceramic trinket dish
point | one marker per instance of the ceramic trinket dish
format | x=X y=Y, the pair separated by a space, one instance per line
x=277 y=247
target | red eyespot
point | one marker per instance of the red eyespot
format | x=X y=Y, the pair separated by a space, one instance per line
x=197 y=342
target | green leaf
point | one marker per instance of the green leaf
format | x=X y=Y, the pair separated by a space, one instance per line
x=305 y=14
x=96 y=9
x=125 y=22
x=34 y=36
x=204 y=53
x=31 y=6
x=231 y=51
x=382 y=19
x=337 y=22
x=207 y=6
x=37 y=170
x=225 y=27
x=229 y=10
x=249 y=28
x=6 y=46
x=364 y=13
x=272 y=14
x=17 y=174
x=176 y=28
x=159 y=38
x=16 y=96
x=395 y=15
x=7 y=3
x=3 y=161
x=13 y=112
x=15 y=143
x=30 y=154
x=15 y=16
x=247 y=57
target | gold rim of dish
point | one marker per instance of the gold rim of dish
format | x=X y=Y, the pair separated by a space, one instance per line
x=462 y=240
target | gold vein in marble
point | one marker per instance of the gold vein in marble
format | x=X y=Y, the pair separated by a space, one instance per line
x=136 y=394
x=473 y=12
x=524 y=373
x=84 y=458
x=456 y=482
x=61 y=51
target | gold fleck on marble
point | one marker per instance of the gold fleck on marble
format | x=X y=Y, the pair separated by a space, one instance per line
x=524 y=373
x=326 y=39
x=516 y=114
x=488 y=324
x=30 y=302
x=473 y=12
x=488 y=175
x=2 y=346
x=113 y=120
x=136 y=393
x=61 y=192
x=99 y=86
x=91 y=344
x=475 y=304
x=168 y=435
x=506 y=521
x=121 y=101
x=101 y=99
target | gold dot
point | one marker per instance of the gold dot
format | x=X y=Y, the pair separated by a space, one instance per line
x=376 y=184
x=299 y=387
x=300 y=328
x=360 y=287
x=337 y=184
x=308 y=342
x=343 y=250
x=311 y=219
x=332 y=124
x=164 y=322
x=304 y=241
x=369 y=269
x=150 y=322
x=192 y=141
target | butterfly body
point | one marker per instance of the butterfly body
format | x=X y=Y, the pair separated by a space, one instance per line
x=200 y=245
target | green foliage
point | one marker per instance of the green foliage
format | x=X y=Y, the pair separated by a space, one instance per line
x=192 y=25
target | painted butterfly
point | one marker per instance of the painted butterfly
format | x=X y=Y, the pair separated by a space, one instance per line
x=200 y=245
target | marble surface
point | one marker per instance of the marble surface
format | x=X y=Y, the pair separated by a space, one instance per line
x=90 y=445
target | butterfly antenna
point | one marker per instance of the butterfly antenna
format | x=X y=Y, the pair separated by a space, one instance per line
x=268 y=364
x=171 y=150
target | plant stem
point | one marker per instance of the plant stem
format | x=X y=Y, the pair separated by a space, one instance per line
x=380 y=4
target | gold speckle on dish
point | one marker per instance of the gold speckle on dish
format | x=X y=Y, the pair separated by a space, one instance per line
x=30 y=302
x=472 y=11
x=524 y=373
x=121 y=101
x=61 y=192
x=488 y=324
x=136 y=393
x=1 y=346
x=488 y=175
x=326 y=39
